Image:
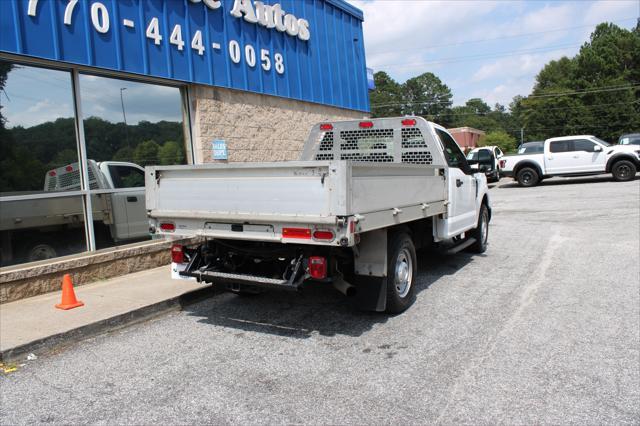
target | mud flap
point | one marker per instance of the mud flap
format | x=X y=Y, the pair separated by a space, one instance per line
x=371 y=294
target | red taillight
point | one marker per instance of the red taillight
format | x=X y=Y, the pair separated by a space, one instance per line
x=503 y=163
x=52 y=173
x=318 y=267
x=323 y=235
x=409 y=122
x=177 y=253
x=366 y=124
x=301 y=233
x=326 y=127
x=168 y=227
x=352 y=227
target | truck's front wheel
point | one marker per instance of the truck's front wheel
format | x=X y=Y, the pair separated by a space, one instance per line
x=527 y=176
x=402 y=269
x=623 y=170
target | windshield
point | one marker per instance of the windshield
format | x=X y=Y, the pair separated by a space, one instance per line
x=531 y=147
x=605 y=143
x=630 y=140
x=472 y=156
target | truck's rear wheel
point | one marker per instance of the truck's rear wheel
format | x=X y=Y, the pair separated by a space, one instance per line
x=527 y=177
x=402 y=269
x=623 y=170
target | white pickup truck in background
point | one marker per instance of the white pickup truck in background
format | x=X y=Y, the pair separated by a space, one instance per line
x=44 y=228
x=365 y=196
x=573 y=156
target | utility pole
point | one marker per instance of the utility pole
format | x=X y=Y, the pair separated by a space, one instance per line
x=124 y=116
x=521 y=135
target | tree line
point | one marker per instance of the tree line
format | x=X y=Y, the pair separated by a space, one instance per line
x=595 y=92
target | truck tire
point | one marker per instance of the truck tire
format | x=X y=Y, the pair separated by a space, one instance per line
x=39 y=250
x=623 y=170
x=402 y=268
x=527 y=176
x=481 y=232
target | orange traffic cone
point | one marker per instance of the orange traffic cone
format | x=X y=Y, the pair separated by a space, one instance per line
x=69 y=300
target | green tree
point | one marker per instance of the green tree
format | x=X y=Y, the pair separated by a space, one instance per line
x=608 y=62
x=171 y=153
x=124 y=154
x=386 y=99
x=506 y=142
x=146 y=153
x=426 y=95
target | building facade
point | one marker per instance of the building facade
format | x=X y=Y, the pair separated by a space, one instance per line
x=466 y=137
x=91 y=91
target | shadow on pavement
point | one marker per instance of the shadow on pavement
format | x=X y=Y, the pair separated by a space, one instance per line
x=318 y=309
x=565 y=181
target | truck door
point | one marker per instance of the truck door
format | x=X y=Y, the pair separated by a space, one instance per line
x=559 y=157
x=461 y=187
x=588 y=156
x=125 y=176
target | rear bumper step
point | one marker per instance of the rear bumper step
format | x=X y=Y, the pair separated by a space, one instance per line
x=252 y=280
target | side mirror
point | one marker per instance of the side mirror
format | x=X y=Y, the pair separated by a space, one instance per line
x=597 y=148
x=473 y=162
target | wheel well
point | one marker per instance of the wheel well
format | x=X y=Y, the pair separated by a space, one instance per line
x=527 y=164
x=619 y=157
x=485 y=201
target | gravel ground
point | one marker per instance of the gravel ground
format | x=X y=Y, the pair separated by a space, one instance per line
x=542 y=328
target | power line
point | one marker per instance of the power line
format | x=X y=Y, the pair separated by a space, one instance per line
x=549 y=95
x=585 y=91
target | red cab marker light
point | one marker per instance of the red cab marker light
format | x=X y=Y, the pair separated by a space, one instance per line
x=300 y=233
x=409 y=122
x=366 y=124
x=69 y=168
x=326 y=126
x=168 y=227
x=52 y=173
x=318 y=267
x=323 y=235
x=177 y=253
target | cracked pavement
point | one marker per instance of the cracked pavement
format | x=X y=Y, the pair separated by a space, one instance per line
x=543 y=328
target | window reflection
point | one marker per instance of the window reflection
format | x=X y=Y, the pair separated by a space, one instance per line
x=129 y=125
x=37 y=134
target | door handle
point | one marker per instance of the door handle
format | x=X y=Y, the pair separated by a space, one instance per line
x=576 y=156
x=132 y=199
x=459 y=183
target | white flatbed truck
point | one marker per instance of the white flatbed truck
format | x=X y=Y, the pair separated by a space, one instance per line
x=365 y=195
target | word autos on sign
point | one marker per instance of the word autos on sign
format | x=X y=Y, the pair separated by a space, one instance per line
x=304 y=49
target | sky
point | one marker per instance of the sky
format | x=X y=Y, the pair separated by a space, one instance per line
x=482 y=49
x=486 y=49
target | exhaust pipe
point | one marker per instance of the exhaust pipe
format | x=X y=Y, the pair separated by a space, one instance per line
x=344 y=287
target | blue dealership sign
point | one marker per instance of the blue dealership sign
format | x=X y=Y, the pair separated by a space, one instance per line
x=310 y=50
x=371 y=82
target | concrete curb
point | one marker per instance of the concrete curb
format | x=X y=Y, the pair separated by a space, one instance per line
x=76 y=335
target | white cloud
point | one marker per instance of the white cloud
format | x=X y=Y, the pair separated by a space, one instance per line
x=406 y=38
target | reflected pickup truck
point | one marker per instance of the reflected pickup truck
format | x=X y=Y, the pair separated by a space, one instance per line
x=52 y=223
x=352 y=212
x=573 y=156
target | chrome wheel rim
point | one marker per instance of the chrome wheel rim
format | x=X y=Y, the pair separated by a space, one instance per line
x=403 y=275
x=42 y=252
x=484 y=228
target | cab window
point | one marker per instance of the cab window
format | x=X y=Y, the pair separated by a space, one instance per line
x=583 y=145
x=452 y=152
x=560 y=146
x=126 y=177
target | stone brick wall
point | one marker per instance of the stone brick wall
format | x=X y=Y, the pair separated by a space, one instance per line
x=255 y=127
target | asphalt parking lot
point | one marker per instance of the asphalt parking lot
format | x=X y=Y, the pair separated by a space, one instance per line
x=542 y=328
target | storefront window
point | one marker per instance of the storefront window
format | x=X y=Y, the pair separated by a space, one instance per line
x=129 y=125
x=38 y=158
